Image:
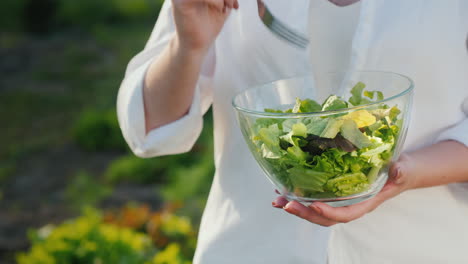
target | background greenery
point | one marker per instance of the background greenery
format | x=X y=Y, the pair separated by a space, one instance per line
x=67 y=177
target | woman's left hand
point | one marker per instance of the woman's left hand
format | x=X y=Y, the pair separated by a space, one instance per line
x=438 y=164
x=326 y=215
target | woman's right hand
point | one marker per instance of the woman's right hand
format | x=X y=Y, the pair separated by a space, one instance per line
x=198 y=22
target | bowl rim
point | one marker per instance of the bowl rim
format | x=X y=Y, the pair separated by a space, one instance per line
x=409 y=89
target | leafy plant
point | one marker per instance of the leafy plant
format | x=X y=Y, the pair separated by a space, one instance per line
x=131 y=169
x=98 y=130
x=87 y=240
x=10 y=14
x=112 y=238
x=173 y=233
x=190 y=182
x=135 y=170
x=85 y=190
x=170 y=255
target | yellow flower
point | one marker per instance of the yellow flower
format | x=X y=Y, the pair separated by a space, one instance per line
x=37 y=255
x=170 y=255
x=176 y=225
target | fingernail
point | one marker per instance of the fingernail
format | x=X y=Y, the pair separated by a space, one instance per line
x=291 y=208
x=316 y=209
x=397 y=178
x=279 y=202
x=274 y=204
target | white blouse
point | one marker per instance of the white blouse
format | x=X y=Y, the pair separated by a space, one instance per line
x=423 y=39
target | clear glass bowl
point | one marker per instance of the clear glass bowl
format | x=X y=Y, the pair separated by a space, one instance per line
x=339 y=156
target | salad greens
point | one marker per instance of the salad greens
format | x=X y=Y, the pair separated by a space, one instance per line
x=333 y=155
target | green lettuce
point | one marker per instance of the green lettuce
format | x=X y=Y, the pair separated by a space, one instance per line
x=328 y=156
x=334 y=102
x=351 y=132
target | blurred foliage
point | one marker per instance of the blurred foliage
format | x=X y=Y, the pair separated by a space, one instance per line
x=170 y=255
x=164 y=227
x=97 y=130
x=130 y=235
x=131 y=169
x=190 y=182
x=11 y=17
x=136 y=170
x=46 y=16
x=87 y=240
x=58 y=93
x=6 y=169
x=85 y=190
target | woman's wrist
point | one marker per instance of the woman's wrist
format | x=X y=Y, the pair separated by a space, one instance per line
x=439 y=164
x=186 y=52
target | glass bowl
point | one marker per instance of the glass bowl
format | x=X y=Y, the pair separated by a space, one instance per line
x=328 y=138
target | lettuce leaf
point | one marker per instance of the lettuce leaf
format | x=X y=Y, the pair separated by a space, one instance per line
x=347 y=184
x=356 y=92
x=316 y=126
x=332 y=128
x=329 y=156
x=334 y=102
x=308 y=179
x=351 y=132
x=309 y=105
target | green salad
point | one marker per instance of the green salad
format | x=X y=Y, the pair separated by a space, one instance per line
x=331 y=155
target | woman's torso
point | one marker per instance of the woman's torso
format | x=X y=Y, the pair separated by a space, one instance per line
x=416 y=38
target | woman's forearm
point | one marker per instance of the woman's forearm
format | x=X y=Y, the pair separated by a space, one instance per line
x=170 y=83
x=442 y=163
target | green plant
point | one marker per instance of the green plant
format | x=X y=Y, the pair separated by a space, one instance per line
x=98 y=130
x=85 y=190
x=170 y=255
x=136 y=170
x=137 y=8
x=85 y=13
x=88 y=13
x=173 y=233
x=143 y=171
x=11 y=15
x=190 y=182
x=87 y=240
x=6 y=170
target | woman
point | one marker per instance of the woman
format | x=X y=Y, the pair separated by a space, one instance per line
x=202 y=52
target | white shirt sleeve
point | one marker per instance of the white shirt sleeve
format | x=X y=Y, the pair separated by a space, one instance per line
x=458 y=132
x=178 y=136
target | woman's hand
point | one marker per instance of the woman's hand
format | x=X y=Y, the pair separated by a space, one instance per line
x=171 y=78
x=198 y=22
x=439 y=164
